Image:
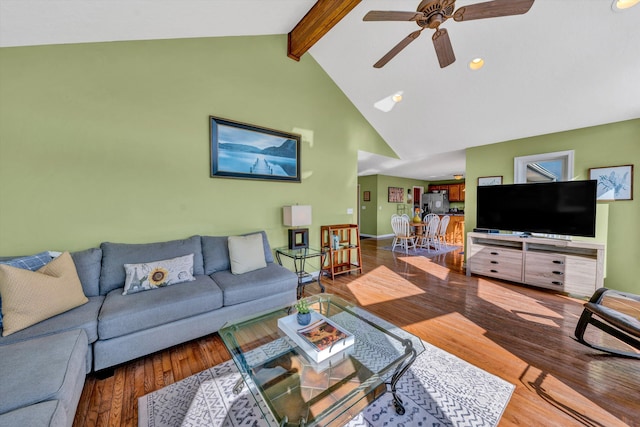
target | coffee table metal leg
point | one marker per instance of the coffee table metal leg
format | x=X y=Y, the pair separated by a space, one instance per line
x=399 y=372
x=238 y=387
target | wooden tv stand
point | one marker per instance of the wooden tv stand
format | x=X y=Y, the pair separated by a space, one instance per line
x=566 y=266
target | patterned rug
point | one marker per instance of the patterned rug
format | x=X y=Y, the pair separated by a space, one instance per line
x=422 y=251
x=438 y=390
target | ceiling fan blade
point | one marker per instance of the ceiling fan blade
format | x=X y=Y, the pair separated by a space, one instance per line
x=381 y=15
x=444 y=50
x=492 y=9
x=396 y=49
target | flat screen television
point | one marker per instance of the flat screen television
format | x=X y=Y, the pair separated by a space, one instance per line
x=564 y=208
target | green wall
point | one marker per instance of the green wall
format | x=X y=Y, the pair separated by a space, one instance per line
x=110 y=141
x=375 y=219
x=599 y=146
x=368 y=210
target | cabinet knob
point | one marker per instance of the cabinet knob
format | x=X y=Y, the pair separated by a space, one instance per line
x=559 y=273
x=555 y=282
x=494 y=262
x=556 y=261
x=493 y=271
x=494 y=253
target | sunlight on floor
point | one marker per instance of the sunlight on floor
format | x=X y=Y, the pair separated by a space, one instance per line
x=375 y=280
x=428 y=265
x=536 y=381
x=566 y=399
x=531 y=309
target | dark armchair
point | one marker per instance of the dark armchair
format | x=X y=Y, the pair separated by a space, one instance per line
x=617 y=314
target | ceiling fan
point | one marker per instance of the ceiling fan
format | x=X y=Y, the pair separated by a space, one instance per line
x=432 y=13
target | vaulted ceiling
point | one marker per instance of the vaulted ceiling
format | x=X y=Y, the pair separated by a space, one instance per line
x=563 y=65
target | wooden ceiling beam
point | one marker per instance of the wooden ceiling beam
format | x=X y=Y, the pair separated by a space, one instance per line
x=315 y=24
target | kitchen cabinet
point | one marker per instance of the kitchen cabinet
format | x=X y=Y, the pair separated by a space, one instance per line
x=455 y=192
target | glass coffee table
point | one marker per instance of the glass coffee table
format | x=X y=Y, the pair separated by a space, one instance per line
x=292 y=390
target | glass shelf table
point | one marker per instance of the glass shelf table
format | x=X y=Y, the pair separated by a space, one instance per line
x=300 y=257
x=291 y=390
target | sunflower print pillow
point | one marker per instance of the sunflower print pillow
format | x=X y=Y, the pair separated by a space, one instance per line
x=158 y=274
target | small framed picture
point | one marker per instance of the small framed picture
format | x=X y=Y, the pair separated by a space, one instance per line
x=489 y=180
x=614 y=182
x=396 y=195
x=366 y=196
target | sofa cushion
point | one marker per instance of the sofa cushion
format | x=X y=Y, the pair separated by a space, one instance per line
x=256 y=284
x=246 y=253
x=83 y=317
x=116 y=255
x=153 y=275
x=29 y=262
x=41 y=369
x=88 y=264
x=125 y=314
x=50 y=413
x=33 y=296
x=215 y=251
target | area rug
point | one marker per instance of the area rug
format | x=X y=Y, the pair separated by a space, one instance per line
x=422 y=251
x=438 y=390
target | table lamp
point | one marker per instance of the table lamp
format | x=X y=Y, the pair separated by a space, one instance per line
x=296 y=216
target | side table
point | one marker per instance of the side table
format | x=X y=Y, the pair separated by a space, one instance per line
x=300 y=257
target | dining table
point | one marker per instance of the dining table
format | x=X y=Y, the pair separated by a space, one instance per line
x=420 y=230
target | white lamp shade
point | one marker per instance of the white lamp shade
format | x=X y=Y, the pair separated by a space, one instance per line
x=298 y=215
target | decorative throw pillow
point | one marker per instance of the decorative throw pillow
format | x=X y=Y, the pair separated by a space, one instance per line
x=246 y=253
x=30 y=297
x=157 y=274
x=31 y=263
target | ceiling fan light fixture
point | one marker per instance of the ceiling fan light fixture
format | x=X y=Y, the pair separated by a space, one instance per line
x=476 y=64
x=397 y=97
x=458 y=176
x=620 y=5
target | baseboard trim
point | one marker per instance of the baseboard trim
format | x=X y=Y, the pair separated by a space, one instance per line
x=373 y=236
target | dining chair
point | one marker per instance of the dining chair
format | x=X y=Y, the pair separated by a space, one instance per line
x=442 y=230
x=427 y=218
x=402 y=234
x=430 y=238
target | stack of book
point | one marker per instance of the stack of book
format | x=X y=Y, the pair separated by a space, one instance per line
x=320 y=340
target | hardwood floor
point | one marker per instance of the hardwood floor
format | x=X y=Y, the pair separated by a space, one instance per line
x=520 y=334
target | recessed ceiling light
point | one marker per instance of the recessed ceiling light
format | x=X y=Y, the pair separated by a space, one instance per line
x=476 y=63
x=620 y=5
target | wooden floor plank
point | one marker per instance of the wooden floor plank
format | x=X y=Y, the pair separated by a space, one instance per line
x=521 y=334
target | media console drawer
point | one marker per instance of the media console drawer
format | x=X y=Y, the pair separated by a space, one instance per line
x=500 y=262
x=546 y=270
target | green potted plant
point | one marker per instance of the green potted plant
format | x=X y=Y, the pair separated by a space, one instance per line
x=304 y=312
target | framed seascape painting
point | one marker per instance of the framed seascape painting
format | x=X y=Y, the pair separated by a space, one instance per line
x=240 y=150
x=614 y=182
x=489 y=180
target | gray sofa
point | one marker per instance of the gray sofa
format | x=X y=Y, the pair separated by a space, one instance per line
x=117 y=328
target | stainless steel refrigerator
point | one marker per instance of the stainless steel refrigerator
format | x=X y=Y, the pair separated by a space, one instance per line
x=437 y=203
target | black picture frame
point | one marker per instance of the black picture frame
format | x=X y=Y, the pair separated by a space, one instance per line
x=298 y=238
x=244 y=151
